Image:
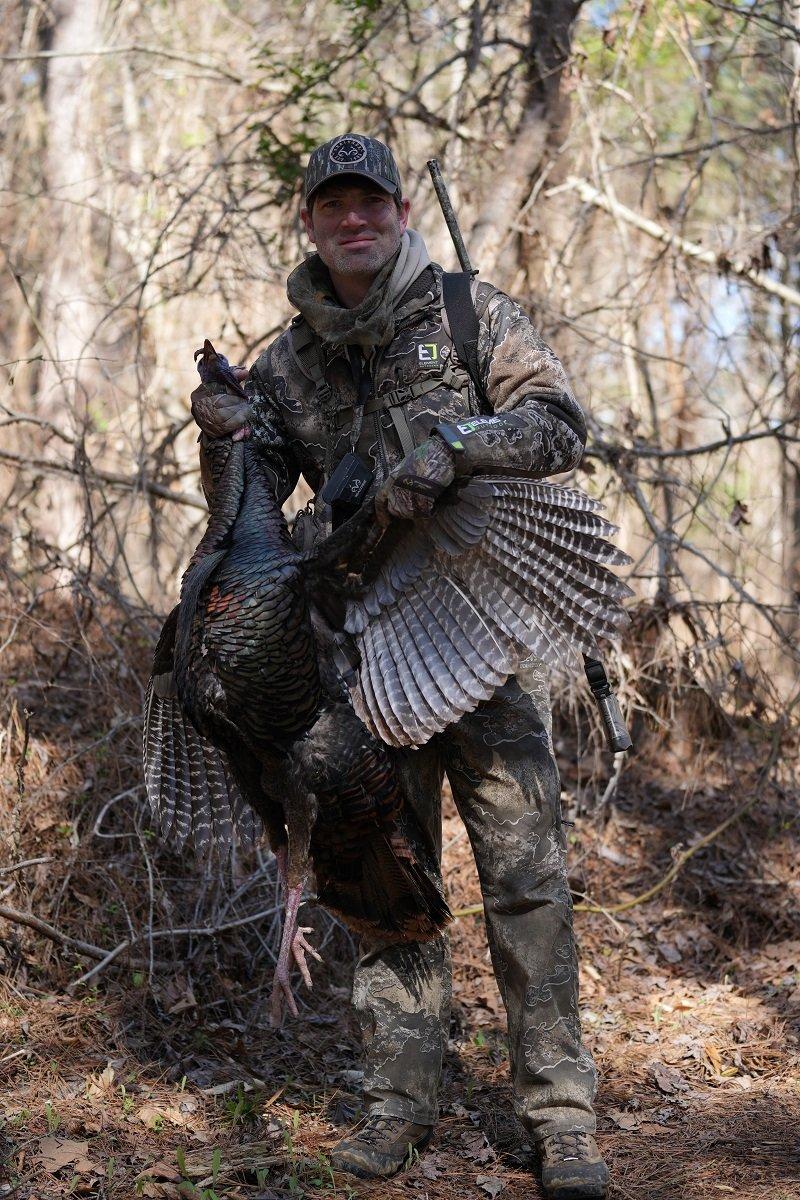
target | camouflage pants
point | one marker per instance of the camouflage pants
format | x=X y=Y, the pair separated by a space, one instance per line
x=505 y=784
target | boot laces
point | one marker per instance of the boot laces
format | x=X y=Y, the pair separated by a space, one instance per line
x=377 y=1127
x=568 y=1144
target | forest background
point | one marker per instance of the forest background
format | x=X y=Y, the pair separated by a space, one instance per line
x=631 y=173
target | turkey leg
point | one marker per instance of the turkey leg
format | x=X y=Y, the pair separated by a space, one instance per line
x=292 y=860
x=294 y=947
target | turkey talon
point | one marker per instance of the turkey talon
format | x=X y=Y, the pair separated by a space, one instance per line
x=301 y=947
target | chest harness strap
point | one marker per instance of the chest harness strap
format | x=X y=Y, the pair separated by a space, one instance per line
x=307 y=354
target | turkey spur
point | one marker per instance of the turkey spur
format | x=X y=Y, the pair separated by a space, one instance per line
x=242 y=716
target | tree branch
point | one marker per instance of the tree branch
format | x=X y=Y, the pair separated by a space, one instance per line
x=606 y=451
x=132 y=483
x=153 y=51
x=592 y=195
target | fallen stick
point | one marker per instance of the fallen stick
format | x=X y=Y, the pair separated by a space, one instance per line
x=104 y=957
x=473 y=910
x=50 y=931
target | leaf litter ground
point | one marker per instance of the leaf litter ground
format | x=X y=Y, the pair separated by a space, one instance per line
x=160 y=1076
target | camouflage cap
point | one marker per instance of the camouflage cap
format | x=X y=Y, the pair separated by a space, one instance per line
x=353 y=154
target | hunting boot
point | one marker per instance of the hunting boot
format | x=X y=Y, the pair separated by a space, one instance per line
x=381 y=1147
x=571 y=1166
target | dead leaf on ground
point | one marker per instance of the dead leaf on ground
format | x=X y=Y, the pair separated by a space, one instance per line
x=163 y=1170
x=667 y=1079
x=713 y=1058
x=45 y=821
x=624 y=1120
x=490 y=1184
x=669 y=951
x=431 y=1166
x=477 y=1147
x=154 y=1116
x=100 y=1086
x=55 y=1153
x=156 y=1191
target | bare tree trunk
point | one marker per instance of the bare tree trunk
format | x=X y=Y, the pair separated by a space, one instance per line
x=549 y=46
x=790 y=477
x=69 y=313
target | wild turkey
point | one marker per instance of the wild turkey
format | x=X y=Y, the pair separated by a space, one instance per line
x=241 y=707
x=246 y=710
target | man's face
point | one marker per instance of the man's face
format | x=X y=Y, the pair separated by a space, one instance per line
x=355 y=225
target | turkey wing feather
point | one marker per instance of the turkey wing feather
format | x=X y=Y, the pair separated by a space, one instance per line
x=506 y=568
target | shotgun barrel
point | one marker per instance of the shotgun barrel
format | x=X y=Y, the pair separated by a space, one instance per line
x=440 y=187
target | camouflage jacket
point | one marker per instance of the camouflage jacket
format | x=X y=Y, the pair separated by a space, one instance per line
x=416 y=383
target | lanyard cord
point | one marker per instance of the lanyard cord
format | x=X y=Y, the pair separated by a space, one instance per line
x=363 y=388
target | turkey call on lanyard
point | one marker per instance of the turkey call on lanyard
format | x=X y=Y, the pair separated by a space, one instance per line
x=347 y=486
x=352 y=479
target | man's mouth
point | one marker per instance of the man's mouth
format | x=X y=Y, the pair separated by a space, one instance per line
x=356 y=243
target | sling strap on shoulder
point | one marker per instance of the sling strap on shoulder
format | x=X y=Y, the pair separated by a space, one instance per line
x=465 y=331
x=307 y=353
x=464 y=325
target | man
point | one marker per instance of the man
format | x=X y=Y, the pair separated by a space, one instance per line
x=368 y=368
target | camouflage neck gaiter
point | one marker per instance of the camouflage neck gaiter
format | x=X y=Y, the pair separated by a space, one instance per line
x=370 y=323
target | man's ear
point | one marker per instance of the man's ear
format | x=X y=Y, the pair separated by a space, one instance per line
x=308 y=224
x=405 y=209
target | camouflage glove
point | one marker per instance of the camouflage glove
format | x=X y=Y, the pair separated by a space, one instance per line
x=417 y=482
x=221 y=414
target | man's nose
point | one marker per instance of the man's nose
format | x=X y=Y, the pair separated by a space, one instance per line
x=354 y=218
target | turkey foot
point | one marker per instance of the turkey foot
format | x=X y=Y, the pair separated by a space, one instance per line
x=294 y=946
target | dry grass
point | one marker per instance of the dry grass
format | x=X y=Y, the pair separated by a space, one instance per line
x=168 y=1081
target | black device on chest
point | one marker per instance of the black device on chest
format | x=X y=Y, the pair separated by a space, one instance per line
x=352 y=479
x=347 y=487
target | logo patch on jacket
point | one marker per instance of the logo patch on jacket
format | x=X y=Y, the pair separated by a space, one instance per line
x=428 y=352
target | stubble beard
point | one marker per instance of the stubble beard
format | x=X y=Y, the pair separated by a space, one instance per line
x=363 y=262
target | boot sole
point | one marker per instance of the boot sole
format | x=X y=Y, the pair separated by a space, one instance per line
x=592 y=1192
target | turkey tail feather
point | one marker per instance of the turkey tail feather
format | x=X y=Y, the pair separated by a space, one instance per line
x=192 y=793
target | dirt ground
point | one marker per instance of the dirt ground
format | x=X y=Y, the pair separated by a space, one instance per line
x=159 y=1074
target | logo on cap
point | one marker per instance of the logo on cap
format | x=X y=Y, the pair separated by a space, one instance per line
x=347 y=151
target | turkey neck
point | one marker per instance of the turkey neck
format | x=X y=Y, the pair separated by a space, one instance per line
x=243 y=505
x=247 y=585
x=259 y=523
